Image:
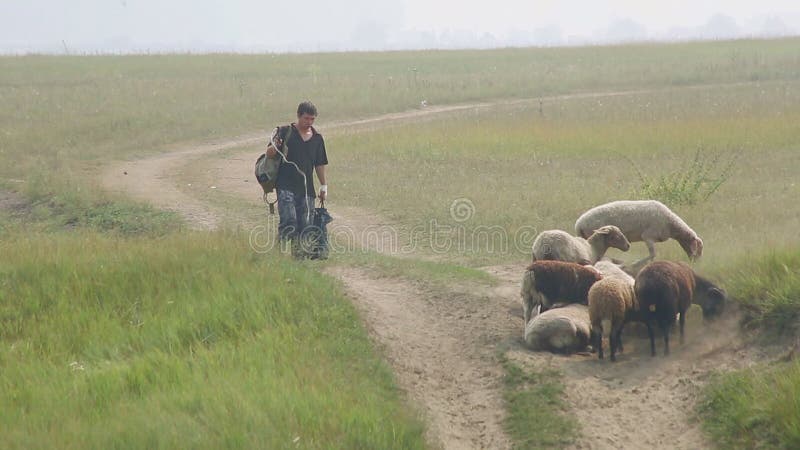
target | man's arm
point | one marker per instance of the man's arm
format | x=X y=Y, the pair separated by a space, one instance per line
x=323 y=189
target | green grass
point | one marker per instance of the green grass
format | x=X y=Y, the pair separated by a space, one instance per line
x=184 y=341
x=57 y=204
x=760 y=407
x=755 y=408
x=536 y=416
x=767 y=287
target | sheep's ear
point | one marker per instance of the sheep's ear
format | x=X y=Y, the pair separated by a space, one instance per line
x=603 y=230
x=696 y=248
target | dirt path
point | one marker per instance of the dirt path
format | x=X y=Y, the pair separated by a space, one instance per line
x=440 y=355
x=442 y=346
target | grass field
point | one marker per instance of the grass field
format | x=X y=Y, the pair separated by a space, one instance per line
x=515 y=171
x=170 y=331
x=61 y=110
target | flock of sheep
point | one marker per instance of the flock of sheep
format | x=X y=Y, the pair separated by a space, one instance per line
x=571 y=294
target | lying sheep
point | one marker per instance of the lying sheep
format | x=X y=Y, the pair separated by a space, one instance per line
x=561 y=330
x=561 y=246
x=642 y=220
x=612 y=302
x=665 y=289
x=546 y=283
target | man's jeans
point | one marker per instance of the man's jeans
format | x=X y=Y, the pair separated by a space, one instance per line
x=293 y=213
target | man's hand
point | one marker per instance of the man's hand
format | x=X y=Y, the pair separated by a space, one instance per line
x=271 y=152
x=323 y=195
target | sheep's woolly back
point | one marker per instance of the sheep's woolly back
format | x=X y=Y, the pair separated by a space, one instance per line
x=563 y=330
x=557 y=245
x=610 y=299
x=664 y=289
x=560 y=281
x=609 y=269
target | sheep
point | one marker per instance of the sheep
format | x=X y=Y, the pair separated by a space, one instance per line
x=561 y=330
x=561 y=246
x=611 y=301
x=642 y=220
x=665 y=289
x=609 y=268
x=548 y=282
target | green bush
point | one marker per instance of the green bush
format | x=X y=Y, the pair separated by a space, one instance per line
x=694 y=182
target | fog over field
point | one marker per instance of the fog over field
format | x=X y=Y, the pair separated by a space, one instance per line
x=133 y=26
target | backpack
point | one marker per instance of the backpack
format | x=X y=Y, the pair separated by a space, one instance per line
x=266 y=170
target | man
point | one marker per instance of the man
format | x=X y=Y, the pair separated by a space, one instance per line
x=304 y=154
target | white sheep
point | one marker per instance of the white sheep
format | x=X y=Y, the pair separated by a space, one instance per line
x=612 y=301
x=561 y=246
x=609 y=268
x=562 y=330
x=642 y=220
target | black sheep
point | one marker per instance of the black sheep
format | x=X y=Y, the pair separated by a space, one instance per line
x=665 y=289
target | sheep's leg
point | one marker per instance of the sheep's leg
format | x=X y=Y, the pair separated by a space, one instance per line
x=681 y=321
x=527 y=306
x=612 y=342
x=597 y=339
x=652 y=338
x=619 y=338
x=665 y=329
x=651 y=247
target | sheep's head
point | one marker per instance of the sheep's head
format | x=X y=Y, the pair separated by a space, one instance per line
x=693 y=246
x=696 y=248
x=613 y=237
x=712 y=301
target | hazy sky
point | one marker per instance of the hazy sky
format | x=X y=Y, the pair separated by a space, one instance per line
x=303 y=25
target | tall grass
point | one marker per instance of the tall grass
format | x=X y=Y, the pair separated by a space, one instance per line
x=755 y=408
x=760 y=407
x=767 y=286
x=184 y=341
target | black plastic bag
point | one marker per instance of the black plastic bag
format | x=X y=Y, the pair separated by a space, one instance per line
x=315 y=239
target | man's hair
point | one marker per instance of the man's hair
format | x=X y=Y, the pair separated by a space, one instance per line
x=306 y=108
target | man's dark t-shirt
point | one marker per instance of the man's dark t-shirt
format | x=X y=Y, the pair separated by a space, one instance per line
x=306 y=155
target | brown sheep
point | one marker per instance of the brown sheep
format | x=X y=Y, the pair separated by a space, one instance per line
x=549 y=282
x=665 y=289
x=611 y=300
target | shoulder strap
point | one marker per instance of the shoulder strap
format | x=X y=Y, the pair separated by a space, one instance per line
x=286 y=135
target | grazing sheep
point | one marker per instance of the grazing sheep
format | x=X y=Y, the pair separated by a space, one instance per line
x=612 y=302
x=642 y=220
x=665 y=289
x=546 y=283
x=562 y=330
x=561 y=246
